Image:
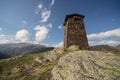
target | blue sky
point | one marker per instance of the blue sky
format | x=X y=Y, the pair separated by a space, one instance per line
x=41 y=21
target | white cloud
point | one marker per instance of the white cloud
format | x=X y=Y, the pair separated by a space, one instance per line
x=39 y=8
x=1 y=29
x=52 y=3
x=40 y=5
x=109 y=42
x=104 y=42
x=109 y=38
x=59 y=44
x=60 y=26
x=49 y=26
x=41 y=33
x=43 y=28
x=112 y=33
x=44 y=12
x=22 y=35
x=45 y=15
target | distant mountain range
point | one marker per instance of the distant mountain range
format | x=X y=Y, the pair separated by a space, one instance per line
x=14 y=49
x=118 y=46
x=106 y=48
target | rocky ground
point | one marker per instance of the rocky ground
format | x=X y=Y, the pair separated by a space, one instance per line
x=87 y=65
x=60 y=64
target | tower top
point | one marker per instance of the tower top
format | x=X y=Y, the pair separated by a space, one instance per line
x=73 y=15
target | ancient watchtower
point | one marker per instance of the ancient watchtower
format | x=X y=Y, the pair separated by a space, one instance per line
x=75 y=33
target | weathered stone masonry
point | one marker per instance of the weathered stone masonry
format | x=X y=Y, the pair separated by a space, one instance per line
x=75 y=33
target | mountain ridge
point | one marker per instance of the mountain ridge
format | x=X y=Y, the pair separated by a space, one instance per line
x=15 y=49
x=106 y=48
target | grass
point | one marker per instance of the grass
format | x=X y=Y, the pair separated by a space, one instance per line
x=18 y=67
x=26 y=68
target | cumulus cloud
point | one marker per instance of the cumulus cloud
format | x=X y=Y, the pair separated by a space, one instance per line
x=112 y=33
x=43 y=28
x=104 y=42
x=22 y=35
x=111 y=37
x=41 y=33
x=52 y=3
x=59 y=44
x=109 y=42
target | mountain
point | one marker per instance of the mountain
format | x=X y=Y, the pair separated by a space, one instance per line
x=3 y=56
x=14 y=49
x=60 y=64
x=105 y=48
x=118 y=46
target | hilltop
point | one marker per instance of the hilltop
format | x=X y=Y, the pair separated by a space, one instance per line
x=72 y=64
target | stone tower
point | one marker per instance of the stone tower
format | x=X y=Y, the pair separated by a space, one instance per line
x=74 y=33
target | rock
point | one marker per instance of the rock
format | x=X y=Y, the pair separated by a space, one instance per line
x=87 y=65
x=38 y=60
x=54 y=54
x=62 y=65
x=73 y=48
x=50 y=57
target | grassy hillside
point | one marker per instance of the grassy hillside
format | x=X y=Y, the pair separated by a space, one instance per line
x=62 y=65
x=28 y=67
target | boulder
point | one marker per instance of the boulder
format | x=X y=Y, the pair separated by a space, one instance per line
x=87 y=65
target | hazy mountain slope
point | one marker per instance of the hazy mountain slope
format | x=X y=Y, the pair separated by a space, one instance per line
x=2 y=56
x=62 y=65
x=14 y=49
x=118 y=46
x=105 y=48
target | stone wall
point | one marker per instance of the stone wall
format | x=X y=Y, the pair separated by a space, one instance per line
x=75 y=33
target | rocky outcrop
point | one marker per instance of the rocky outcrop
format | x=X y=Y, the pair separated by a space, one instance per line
x=87 y=65
x=54 y=54
x=60 y=64
x=73 y=48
